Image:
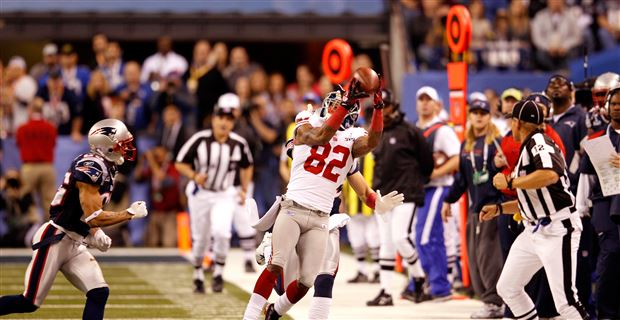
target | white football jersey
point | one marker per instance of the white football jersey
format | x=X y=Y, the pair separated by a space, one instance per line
x=317 y=172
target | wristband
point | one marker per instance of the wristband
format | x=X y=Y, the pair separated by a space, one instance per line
x=335 y=120
x=500 y=208
x=371 y=200
x=376 y=123
x=509 y=183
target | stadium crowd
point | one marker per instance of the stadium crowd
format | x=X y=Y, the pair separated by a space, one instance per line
x=168 y=98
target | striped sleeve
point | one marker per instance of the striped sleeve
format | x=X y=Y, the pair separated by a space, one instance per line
x=187 y=153
x=545 y=156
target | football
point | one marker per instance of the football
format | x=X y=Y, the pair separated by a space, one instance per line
x=368 y=79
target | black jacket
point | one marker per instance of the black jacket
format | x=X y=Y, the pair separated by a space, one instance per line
x=403 y=161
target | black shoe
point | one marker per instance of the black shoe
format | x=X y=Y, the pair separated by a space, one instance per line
x=249 y=267
x=375 y=278
x=270 y=312
x=359 y=278
x=409 y=295
x=217 y=284
x=199 y=286
x=383 y=299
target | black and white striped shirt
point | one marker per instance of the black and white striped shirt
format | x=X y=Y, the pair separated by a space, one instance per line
x=538 y=151
x=219 y=161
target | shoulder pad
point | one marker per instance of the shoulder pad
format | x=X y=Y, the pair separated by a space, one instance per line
x=302 y=117
x=89 y=170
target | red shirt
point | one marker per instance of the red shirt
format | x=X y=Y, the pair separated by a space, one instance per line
x=36 y=140
x=512 y=148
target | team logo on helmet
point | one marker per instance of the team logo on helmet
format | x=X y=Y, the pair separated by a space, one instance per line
x=106 y=131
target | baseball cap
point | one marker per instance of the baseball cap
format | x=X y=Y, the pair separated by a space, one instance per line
x=477 y=95
x=429 y=91
x=17 y=62
x=528 y=111
x=539 y=97
x=311 y=97
x=50 y=49
x=67 y=49
x=480 y=105
x=226 y=104
x=512 y=92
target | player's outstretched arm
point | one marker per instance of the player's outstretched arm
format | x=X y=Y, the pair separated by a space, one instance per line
x=361 y=188
x=365 y=144
x=314 y=136
x=90 y=200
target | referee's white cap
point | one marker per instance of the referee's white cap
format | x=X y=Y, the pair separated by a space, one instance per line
x=227 y=103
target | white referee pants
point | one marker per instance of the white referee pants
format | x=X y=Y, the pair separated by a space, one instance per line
x=211 y=215
x=553 y=247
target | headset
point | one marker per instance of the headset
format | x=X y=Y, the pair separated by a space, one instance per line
x=610 y=94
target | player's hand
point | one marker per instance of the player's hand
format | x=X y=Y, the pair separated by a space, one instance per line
x=488 y=212
x=242 y=195
x=615 y=160
x=355 y=93
x=99 y=240
x=200 y=178
x=500 y=160
x=500 y=181
x=388 y=202
x=446 y=211
x=378 y=100
x=260 y=252
x=138 y=210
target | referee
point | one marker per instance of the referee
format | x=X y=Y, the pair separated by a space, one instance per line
x=552 y=227
x=210 y=158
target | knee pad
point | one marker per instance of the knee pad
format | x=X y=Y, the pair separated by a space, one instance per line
x=98 y=295
x=323 y=285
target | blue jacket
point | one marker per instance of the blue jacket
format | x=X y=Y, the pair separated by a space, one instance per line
x=571 y=127
x=480 y=194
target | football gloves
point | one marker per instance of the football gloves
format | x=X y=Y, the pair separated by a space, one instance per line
x=138 y=210
x=388 y=202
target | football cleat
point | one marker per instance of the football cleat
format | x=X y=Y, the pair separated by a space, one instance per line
x=382 y=299
x=375 y=278
x=359 y=278
x=249 y=267
x=199 y=286
x=217 y=284
x=270 y=312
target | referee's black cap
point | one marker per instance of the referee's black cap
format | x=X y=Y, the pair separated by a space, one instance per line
x=528 y=111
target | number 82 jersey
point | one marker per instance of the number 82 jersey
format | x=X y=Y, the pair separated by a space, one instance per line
x=318 y=171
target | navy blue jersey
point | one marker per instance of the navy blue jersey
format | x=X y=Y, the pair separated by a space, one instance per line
x=66 y=210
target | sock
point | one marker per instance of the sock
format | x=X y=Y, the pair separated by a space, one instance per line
x=255 y=307
x=199 y=273
x=218 y=269
x=319 y=309
x=265 y=283
x=283 y=305
x=95 y=303
x=385 y=278
x=16 y=304
x=361 y=266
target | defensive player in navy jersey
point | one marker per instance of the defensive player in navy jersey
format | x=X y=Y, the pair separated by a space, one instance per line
x=76 y=216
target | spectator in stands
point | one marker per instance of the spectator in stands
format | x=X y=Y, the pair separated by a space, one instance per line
x=172 y=90
x=97 y=103
x=205 y=81
x=99 y=44
x=49 y=62
x=173 y=133
x=481 y=30
x=277 y=89
x=503 y=49
x=305 y=83
x=136 y=95
x=242 y=89
x=240 y=66
x=162 y=63
x=608 y=19
x=22 y=90
x=16 y=210
x=36 y=140
x=74 y=77
x=325 y=86
x=556 y=35
x=60 y=106
x=220 y=51
x=113 y=65
x=165 y=197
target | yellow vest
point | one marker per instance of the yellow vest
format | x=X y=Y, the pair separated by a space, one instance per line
x=353 y=202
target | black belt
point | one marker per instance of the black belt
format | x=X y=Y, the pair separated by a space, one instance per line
x=49 y=238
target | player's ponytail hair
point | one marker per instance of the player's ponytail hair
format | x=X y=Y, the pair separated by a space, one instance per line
x=491 y=134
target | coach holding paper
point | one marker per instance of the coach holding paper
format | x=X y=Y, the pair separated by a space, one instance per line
x=552 y=227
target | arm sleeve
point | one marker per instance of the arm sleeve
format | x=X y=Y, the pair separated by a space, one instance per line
x=246 y=156
x=187 y=154
x=459 y=186
x=544 y=155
